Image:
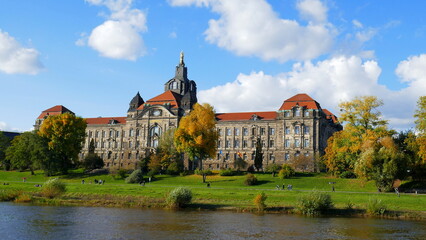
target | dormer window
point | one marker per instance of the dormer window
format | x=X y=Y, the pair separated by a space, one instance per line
x=297 y=112
x=306 y=113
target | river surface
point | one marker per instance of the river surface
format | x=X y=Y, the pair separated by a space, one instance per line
x=21 y=222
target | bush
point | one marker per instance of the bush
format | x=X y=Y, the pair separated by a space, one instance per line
x=375 y=207
x=122 y=173
x=347 y=174
x=24 y=198
x=226 y=172
x=286 y=172
x=250 y=180
x=179 y=197
x=207 y=172
x=273 y=168
x=53 y=188
x=314 y=203
x=173 y=169
x=135 y=177
x=93 y=161
x=8 y=195
x=152 y=173
x=259 y=201
x=184 y=173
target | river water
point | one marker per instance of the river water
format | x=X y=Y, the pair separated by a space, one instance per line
x=21 y=222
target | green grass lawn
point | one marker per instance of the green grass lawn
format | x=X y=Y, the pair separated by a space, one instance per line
x=226 y=191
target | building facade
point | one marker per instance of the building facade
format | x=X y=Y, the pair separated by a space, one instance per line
x=295 y=133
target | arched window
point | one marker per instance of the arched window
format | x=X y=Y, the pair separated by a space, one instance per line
x=156 y=130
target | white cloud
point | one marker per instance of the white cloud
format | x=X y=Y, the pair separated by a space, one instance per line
x=15 y=59
x=312 y=10
x=252 y=28
x=329 y=82
x=357 y=23
x=119 y=36
x=173 y=35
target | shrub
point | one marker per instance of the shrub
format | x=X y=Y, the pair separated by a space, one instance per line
x=226 y=172
x=179 y=197
x=24 y=198
x=152 y=173
x=53 y=188
x=347 y=174
x=207 y=172
x=259 y=201
x=135 y=177
x=286 y=172
x=93 y=161
x=375 y=207
x=9 y=195
x=122 y=173
x=273 y=168
x=314 y=203
x=250 y=180
x=183 y=173
x=173 y=169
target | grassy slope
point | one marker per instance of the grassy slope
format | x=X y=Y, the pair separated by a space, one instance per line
x=226 y=191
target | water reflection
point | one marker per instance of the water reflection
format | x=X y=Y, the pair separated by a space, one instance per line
x=46 y=222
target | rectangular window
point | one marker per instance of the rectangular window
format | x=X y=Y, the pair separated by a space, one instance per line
x=237 y=143
x=286 y=114
x=271 y=143
x=102 y=144
x=103 y=133
x=306 y=129
x=227 y=156
x=263 y=143
x=219 y=131
x=297 y=130
x=228 y=132
x=244 y=143
x=287 y=143
x=253 y=143
x=90 y=134
x=130 y=144
x=228 y=144
x=129 y=155
x=237 y=132
x=124 y=134
x=137 y=144
x=297 y=112
x=296 y=143
x=306 y=113
x=272 y=157
x=218 y=156
x=218 y=144
x=97 y=134
x=252 y=156
x=271 y=131
x=245 y=131
x=287 y=157
x=287 y=130
x=306 y=143
x=262 y=131
x=110 y=133
x=117 y=134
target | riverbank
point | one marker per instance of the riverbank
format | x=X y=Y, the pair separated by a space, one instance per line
x=350 y=198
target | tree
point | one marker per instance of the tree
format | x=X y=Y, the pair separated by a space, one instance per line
x=363 y=122
x=92 y=160
x=362 y=113
x=420 y=121
x=4 y=144
x=197 y=135
x=64 y=134
x=258 y=155
x=27 y=151
x=302 y=163
x=381 y=161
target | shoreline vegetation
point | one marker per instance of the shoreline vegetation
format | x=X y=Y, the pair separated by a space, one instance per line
x=350 y=198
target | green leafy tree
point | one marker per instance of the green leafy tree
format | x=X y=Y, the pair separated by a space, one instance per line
x=420 y=121
x=64 y=134
x=4 y=144
x=258 y=155
x=363 y=121
x=27 y=151
x=92 y=160
x=197 y=135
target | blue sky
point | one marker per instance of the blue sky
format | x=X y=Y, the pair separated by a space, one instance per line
x=93 y=56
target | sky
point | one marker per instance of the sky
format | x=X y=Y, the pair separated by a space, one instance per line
x=93 y=56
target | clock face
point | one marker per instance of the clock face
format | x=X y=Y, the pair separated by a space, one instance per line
x=156 y=112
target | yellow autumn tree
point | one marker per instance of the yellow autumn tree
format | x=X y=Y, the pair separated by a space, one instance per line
x=197 y=135
x=363 y=125
x=420 y=121
x=64 y=134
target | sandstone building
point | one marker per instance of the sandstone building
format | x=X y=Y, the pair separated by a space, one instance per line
x=299 y=129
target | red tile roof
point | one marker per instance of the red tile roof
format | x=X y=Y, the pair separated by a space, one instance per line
x=105 y=120
x=301 y=99
x=56 y=110
x=330 y=115
x=244 y=116
x=166 y=97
